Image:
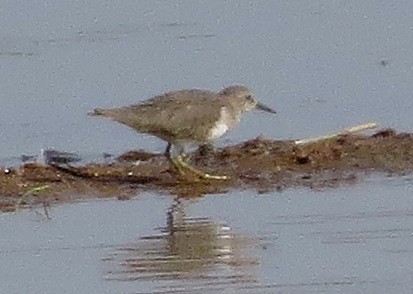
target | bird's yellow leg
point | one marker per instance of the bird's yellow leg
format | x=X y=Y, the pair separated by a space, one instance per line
x=177 y=165
x=181 y=165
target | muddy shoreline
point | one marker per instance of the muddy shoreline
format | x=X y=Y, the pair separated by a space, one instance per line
x=260 y=164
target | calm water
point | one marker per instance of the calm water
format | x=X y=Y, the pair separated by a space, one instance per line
x=318 y=63
x=352 y=239
x=324 y=65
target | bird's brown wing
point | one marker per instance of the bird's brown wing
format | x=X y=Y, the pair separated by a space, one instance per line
x=182 y=115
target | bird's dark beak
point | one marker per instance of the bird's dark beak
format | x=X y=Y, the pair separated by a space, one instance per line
x=263 y=107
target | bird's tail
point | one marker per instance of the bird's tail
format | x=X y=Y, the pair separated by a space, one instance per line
x=97 y=111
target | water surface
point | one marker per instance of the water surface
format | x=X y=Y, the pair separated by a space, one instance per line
x=324 y=65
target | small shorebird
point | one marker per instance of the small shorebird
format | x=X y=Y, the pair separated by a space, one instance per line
x=187 y=117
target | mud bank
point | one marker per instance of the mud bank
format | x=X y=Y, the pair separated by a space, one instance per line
x=260 y=164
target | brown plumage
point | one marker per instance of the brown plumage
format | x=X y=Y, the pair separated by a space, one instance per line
x=187 y=116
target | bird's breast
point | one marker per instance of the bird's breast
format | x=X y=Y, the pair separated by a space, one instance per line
x=225 y=122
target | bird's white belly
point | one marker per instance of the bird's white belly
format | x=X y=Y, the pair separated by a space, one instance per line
x=218 y=130
x=221 y=126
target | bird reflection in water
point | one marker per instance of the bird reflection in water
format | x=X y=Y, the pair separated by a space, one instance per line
x=194 y=251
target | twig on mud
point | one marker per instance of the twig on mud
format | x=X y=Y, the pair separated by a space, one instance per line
x=351 y=130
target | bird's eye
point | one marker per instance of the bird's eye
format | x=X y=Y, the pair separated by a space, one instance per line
x=249 y=98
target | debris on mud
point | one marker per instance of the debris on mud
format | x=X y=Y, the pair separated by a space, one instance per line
x=260 y=164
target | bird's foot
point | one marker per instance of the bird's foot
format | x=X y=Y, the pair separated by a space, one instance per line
x=181 y=166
